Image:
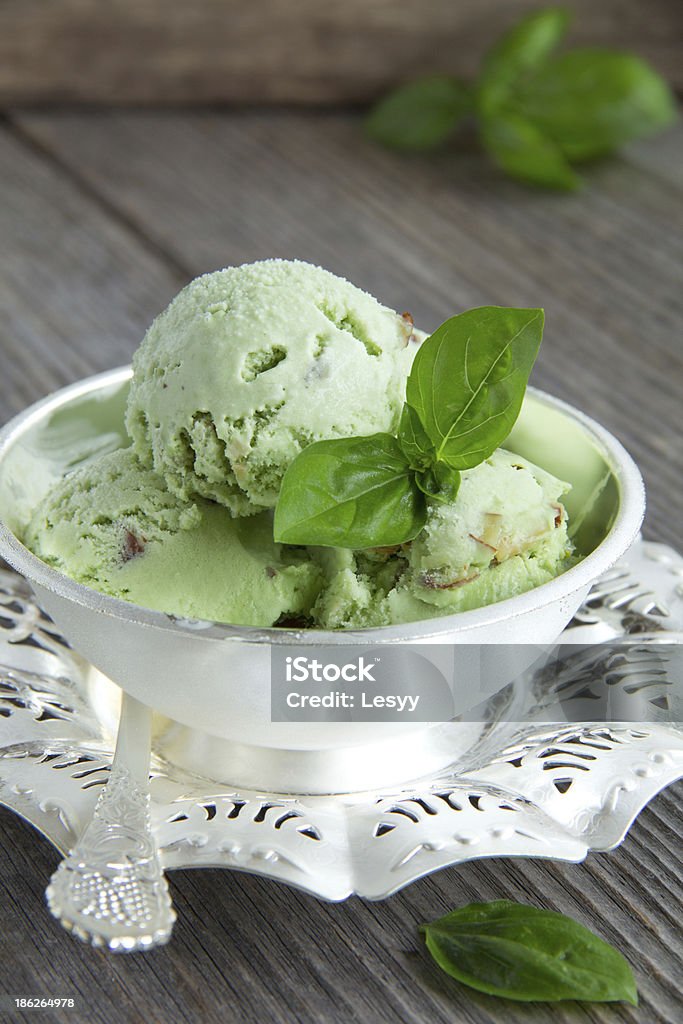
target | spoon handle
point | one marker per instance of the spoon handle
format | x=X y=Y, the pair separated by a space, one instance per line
x=110 y=890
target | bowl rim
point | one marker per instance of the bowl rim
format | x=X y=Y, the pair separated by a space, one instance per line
x=620 y=536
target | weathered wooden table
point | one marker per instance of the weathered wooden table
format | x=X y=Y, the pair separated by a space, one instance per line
x=103 y=218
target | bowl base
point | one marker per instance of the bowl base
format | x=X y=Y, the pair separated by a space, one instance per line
x=424 y=750
x=318 y=772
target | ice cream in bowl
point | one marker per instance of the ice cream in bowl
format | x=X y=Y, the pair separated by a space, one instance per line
x=288 y=462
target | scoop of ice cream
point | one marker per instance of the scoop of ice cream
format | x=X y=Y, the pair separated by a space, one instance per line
x=505 y=533
x=503 y=508
x=249 y=365
x=114 y=525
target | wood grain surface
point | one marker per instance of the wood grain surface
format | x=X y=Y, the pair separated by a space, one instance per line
x=171 y=51
x=103 y=218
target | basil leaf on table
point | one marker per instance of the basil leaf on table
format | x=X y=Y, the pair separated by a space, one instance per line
x=520 y=952
x=468 y=380
x=522 y=49
x=523 y=151
x=355 y=492
x=590 y=101
x=420 y=115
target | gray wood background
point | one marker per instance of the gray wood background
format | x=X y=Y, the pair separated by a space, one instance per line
x=295 y=51
x=103 y=217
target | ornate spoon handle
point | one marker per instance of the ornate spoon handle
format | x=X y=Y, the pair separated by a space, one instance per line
x=111 y=890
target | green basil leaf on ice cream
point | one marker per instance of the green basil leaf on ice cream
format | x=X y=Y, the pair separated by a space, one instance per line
x=349 y=493
x=414 y=440
x=463 y=395
x=468 y=380
x=440 y=482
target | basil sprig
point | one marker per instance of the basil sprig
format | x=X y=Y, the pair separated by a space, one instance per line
x=538 y=112
x=520 y=952
x=463 y=396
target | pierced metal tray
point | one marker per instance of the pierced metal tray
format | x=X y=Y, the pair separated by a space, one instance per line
x=537 y=790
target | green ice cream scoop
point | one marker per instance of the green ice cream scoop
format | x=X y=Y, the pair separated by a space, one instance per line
x=249 y=365
x=113 y=525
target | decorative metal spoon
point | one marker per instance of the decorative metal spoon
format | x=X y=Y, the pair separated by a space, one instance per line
x=110 y=890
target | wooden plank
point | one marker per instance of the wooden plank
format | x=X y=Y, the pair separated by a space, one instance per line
x=169 y=51
x=429 y=235
x=662 y=160
x=77 y=289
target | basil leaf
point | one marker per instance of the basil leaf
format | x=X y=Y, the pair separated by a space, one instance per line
x=420 y=115
x=414 y=440
x=591 y=101
x=439 y=482
x=355 y=492
x=468 y=380
x=524 y=152
x=517 y=951
x=519 y=51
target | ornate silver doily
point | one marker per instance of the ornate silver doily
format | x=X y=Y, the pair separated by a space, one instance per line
x=538 y=790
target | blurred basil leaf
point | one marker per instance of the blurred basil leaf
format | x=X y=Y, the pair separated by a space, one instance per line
x=524 y=151
x=537 y=112
x=355 y=492
x=420 y=115
x=522 y=49
x=591 y=101
x=520 y=952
